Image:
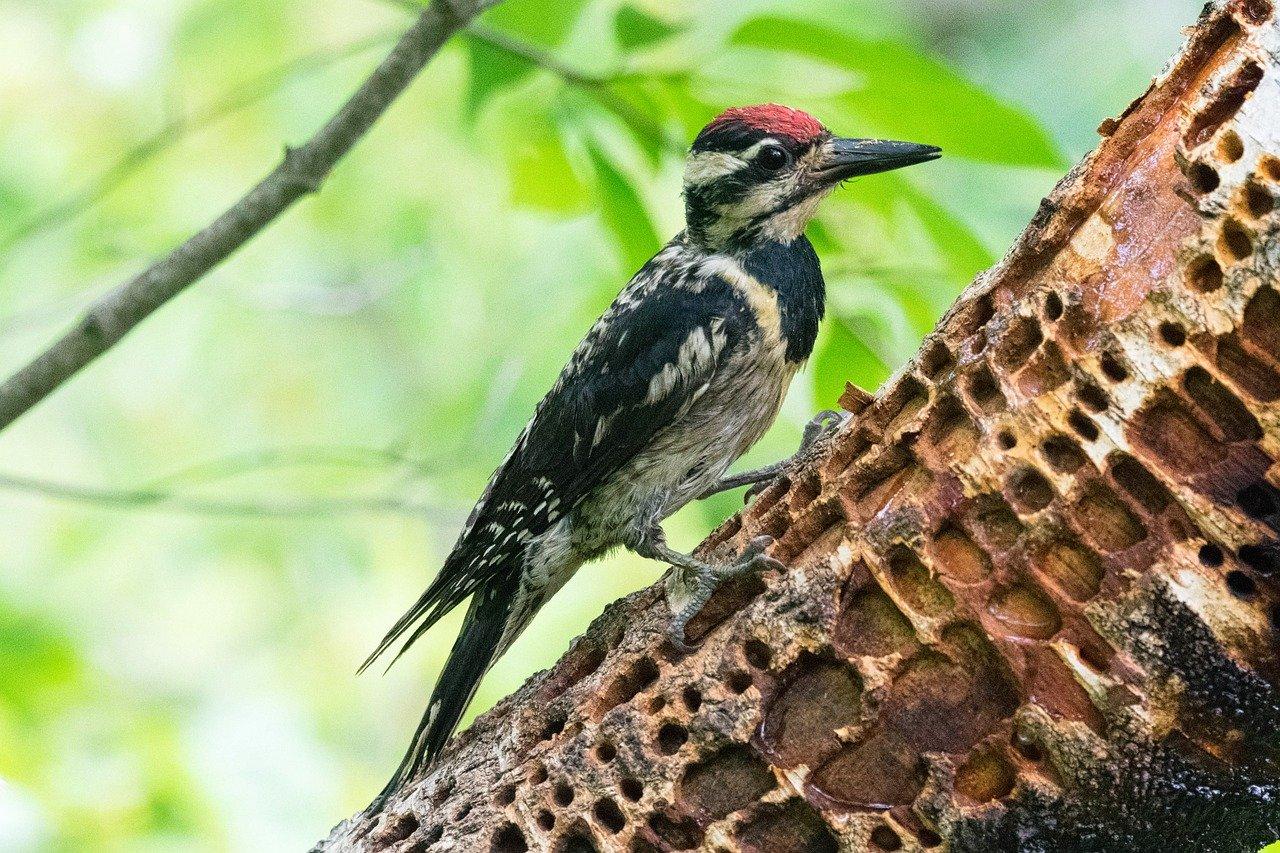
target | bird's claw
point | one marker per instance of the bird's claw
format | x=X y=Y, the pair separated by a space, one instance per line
x=751 y=555
x=706 y=578
x=825 y=423
x=755 y=489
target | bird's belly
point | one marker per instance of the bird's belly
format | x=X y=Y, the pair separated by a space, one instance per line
x=691 y=454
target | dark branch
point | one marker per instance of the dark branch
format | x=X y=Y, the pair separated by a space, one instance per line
x=301 y=172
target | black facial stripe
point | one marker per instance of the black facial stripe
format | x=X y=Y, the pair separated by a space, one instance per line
x=705 y=201
x=732 y=137
x=728 y=137
x=734 y=186
x=698 y=220
x=726 y=189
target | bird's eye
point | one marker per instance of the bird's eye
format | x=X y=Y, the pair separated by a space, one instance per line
x=773 y=157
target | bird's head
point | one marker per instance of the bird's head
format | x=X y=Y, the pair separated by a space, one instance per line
x=758 y=173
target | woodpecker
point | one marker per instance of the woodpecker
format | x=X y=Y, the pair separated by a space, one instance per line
x=677 y=379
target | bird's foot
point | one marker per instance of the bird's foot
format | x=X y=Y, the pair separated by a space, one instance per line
x=825 y=423
x=693 y=583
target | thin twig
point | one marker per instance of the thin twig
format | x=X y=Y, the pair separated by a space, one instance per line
x=535 y=56
x=249 y=461
x=300 y=173
x=43 y=313
x=166 y=493
x=599 y=88
x=238 y=99
x=164 y=499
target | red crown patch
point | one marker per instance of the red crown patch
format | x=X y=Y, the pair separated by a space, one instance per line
x=772 y=119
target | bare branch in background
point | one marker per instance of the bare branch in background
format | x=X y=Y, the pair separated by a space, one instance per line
x=300 y=173
x=162 y=499
x=170 y=492
x=329 y=456
x=266 y=84
x=63 y=212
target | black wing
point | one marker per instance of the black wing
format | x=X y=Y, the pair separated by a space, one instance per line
x=636 y=373
x=638 y=370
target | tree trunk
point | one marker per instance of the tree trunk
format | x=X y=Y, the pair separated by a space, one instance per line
x=1033 y=589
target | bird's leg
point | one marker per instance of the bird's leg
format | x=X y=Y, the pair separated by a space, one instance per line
x=823 y=424
x=693 y=581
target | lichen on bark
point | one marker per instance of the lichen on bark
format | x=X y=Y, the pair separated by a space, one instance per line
x=1032 y=595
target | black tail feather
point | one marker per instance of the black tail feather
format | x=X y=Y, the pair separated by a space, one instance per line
x=449 y=589
x=473 y=652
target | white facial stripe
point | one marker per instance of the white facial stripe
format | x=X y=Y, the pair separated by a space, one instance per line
x=748 y=153
x=710 y=165
x=790 y=223
x=767 y=194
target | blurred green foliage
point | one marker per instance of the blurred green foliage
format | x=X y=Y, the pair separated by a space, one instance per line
x=208 y=529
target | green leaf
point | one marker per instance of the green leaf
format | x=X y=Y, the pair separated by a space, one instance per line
x=907 y=95
x=843 y=356
x=821 y=237
x=624 y=212
x=637 y=29
x=671 y=95
x=37 y=662
x=546 y=25
x=632 y=106
x=492 y=70
x=542 y=176
x=959 y=247
x=964 y=254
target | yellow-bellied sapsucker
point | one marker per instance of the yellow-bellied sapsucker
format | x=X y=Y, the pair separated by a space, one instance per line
x=679 y=377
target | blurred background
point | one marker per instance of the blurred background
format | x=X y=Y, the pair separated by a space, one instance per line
x=205 y=532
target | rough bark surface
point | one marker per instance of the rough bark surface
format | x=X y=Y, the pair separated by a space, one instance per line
x=1033 y=590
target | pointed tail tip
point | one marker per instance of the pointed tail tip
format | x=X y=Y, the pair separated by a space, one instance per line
x=381 y=650
x=379 y=804
x=377 y=653
x=368 y=662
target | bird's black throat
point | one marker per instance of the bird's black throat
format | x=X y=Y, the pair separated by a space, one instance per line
x=793 y=271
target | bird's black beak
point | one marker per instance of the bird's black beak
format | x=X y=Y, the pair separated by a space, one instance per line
x=848 y=158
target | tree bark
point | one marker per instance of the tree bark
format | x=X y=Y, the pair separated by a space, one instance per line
x=1032 y=597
